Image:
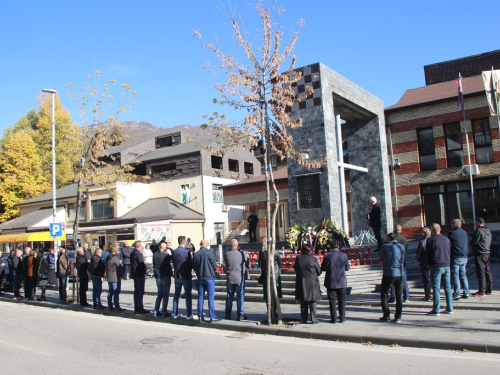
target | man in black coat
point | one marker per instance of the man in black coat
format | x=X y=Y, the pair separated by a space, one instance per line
x=183 y=265
x=126 y=252
x=97 y=272
x=307 y=289
x=424 y=267
x=82 y=267
x=375 y=221
x=253 y=221
x=480 y=243
x=138 y=274
x=335 y=263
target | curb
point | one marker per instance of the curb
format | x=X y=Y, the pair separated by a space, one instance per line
x=250 y=327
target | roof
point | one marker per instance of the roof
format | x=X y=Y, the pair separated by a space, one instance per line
x=29 y=219
x=163 y=208
x=166 y=152
x=64 y=192
x=125 y=146
x=280 y=174
x=438 y=92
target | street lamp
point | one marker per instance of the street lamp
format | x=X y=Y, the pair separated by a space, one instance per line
x=53 y=93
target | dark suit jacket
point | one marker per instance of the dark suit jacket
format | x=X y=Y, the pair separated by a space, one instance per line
x=375 y=216
x=335 y=263
x=307 y=270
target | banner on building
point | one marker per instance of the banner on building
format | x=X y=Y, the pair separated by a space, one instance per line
x=491 y=81
x=154 y=232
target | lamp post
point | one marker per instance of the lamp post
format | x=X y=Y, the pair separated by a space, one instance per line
x=54 y=220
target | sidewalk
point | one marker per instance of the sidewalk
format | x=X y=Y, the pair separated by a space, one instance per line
x=474 y=326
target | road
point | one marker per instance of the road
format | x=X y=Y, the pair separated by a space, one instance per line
x=38 y=340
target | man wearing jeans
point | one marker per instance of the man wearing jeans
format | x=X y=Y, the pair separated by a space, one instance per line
x=114 y=273
x=459 y=251
x=162 y=270
x=236 y=264
x=438 y=250
x=138 y=274
x=205 y=265
x=392 y=256
x=183 y=265
x=97 y=272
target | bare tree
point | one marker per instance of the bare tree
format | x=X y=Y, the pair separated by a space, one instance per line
x=100 y=103
x=264 y=89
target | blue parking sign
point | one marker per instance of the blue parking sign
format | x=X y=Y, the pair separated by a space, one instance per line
x=56 y=229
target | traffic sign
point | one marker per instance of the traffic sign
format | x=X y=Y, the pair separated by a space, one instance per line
x=56 y=229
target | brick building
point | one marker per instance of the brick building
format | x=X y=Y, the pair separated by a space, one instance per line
x=429 y=144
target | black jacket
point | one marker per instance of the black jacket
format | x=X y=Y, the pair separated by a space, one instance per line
x=82 y=266
x=137 y=265
x=162 y=264
x=421 y=254
x=204 y=264
x=335 y=263
x=481 y=241
x=183 y=263
x=126 y=254
x=97 y=266
x=307 y=270
x=459 y=243
x=438 y=251
x=375 y=216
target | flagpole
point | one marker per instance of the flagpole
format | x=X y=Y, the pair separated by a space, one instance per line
x=460 y=93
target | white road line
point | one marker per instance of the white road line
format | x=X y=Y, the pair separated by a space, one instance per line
x=24 y=347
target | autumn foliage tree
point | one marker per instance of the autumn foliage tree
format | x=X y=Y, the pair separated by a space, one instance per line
x=21 y=174
x=100 y=104
x=262 y=86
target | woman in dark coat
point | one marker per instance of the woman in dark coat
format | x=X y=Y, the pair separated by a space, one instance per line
x=307 y=289
x=263 y=258
x=43 y=276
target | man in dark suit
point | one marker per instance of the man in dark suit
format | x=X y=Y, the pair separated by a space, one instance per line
x=126 y=252
x=138 y=274
x=307 y=291
x=335 y=263
x=375 y=221
x=253 y=220
x=183 y=265
x=82 y=267
x=424 y=267
x=392 y=256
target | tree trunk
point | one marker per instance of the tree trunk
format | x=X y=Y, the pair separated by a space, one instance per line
x=272 y=251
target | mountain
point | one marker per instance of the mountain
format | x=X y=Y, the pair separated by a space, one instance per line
x=134 y=131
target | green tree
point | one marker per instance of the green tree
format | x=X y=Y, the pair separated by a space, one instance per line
x=263 y=88
x=21 y=174
x=68 y=140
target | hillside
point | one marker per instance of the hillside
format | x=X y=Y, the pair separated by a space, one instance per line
x=134 y=131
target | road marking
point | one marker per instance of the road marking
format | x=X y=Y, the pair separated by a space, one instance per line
x=24 y=347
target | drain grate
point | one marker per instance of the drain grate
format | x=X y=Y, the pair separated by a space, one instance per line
x=157 y=340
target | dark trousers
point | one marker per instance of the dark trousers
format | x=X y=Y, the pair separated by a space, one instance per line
x=84 y=286
x=63 y=281
x=483 y=272
x=406 y=290
x=305 y=306
x=385 y=289
x=52 y=277
x=139 y=283
x=29 y=287
x=378 y=237
x=426 y=277
x=340 y=295
x=252 y=232
x=18 y=278
x=126 y=269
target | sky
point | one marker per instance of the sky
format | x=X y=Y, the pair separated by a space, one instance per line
x=380 y=45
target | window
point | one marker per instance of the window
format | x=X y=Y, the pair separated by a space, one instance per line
x=233 y=165
x=72 y=211
x=426 y=149
x=445 y=202
x=217 y=193
x=482 y=141
x=102 y=209
x=454 y=150
x=216 y=162
x=248 y=168
x=163 y=168
x=165 y=141
x=308 y=192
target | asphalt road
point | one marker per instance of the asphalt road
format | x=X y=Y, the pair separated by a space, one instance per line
x=37 y=340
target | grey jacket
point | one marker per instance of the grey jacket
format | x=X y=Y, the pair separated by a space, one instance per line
x=236 y=264
x=481 y=241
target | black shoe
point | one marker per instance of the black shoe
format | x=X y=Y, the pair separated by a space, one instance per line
x=143 y=311
x=342 y=321
x=100 y=307
x=333 y=321
x=427 y=299
x=166 y=315
x=111 y=308
x=228 y=317
x=120 y=309
x=465 y=296
x=242 y=317
x=385 y=318
x=86 y=304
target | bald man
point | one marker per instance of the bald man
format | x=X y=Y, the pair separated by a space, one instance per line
x=205 y=266
x=375 y=221
x=236 y=263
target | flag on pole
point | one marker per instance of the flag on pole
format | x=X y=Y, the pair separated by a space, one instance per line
x=460 y=93
x=491 y=80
